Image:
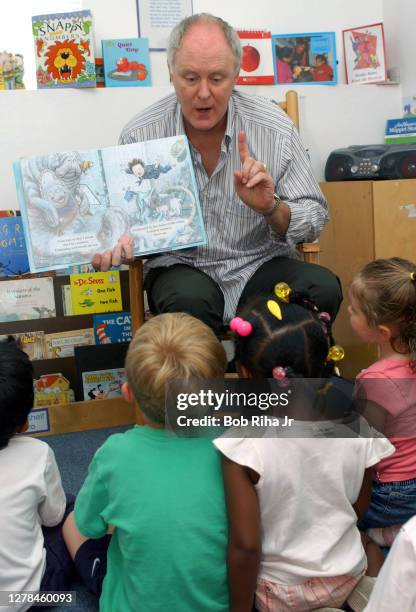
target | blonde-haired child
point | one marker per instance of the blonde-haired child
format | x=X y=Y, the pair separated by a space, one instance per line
x=162 y=494
x=383 y=312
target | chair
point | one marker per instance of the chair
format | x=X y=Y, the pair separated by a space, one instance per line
x=310 y=251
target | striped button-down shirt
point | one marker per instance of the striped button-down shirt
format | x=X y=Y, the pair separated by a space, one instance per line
x=239 y=240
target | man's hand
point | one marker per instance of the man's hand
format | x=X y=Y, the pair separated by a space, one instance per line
x=122 y=253
x=253 y=183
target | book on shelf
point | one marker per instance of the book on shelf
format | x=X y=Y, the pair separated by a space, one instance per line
x=77 y=203
x=27 y=298
x=103 y=384
x=32 y=343
x=126 y=62
x=257 y=58
x=98 y=292
x=400 y=131
x=67 y=300
x=62 y=344
x=52 y=389
x=13 y=252
x=97 y=358
x=64 y=50
x=114 y=328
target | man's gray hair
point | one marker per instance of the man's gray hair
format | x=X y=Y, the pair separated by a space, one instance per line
x=179 y=31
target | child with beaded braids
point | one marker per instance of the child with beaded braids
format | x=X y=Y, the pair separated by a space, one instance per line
x=383 y=312
x=293 y=502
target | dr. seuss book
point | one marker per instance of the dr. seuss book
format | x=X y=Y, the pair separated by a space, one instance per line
x=126 y=62
x=78 y=203
x=13 y=252
x=64 y=50
x=256 y=59
x=29 y=298
x=98 y=292
x=110 y=329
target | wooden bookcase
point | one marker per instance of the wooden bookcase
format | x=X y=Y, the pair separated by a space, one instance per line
x=80 y=415
x=368 y=220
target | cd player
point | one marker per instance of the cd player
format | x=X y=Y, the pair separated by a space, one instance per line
x=370 y=162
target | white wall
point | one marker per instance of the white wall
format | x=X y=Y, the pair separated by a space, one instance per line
x=32 y=122
x=399 y=24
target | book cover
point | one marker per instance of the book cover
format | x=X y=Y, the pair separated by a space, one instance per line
x=28 y=298
x=13 y=253
x=399 y=131
x=78 y=203
x=126 y=62
x=67 y=300
x=110 y=329
x=52 y=389
x=32 y=343
x=98 y=292
x=64 y=50
x=62 y=344
x=306 y=58
x=257 y=58
x=365 y=54
x=101 y=384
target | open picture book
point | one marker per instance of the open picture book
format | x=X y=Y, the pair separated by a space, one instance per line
x=78 y=203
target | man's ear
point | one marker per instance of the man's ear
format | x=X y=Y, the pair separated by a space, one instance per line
x=127 y=393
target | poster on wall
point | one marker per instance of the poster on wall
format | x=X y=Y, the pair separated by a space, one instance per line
x=309 y=59
x=365 y=56
x=156 y=19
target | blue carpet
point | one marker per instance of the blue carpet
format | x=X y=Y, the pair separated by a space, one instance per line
x=73 y=452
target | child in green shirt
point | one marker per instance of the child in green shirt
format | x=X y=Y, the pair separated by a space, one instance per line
x=160 y=496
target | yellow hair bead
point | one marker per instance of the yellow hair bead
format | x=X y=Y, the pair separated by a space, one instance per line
x=282 y=291
x=275 y=309
x=336 y=353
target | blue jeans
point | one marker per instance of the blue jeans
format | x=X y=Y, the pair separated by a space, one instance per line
x=392 y=503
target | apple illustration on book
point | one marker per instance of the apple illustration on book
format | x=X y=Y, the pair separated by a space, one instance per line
x=250 y=59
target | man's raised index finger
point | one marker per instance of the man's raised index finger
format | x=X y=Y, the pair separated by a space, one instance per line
x=243 y=147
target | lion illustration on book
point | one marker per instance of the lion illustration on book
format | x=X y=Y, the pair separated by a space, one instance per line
x=65 y=61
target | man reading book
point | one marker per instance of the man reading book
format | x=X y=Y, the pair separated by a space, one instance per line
x=258 y=195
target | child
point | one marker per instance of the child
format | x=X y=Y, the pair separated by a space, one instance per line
x=383 y=312
x=162 y=494
x=304 y=492
x=284 y=68
x=32 y=558
x=395 y=587
x=322 y=70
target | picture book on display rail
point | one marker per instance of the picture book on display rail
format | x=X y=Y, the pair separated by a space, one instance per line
x=64 y=50
x=78 y=203
x=126 y=62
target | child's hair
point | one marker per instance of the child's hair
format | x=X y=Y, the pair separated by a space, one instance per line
x=167 y=347
x=132 y=163
x=385 y=290
x=285 y=52
x=298 y=342
x=16 y=388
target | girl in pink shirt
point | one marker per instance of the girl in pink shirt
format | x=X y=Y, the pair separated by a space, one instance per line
x=383 y=312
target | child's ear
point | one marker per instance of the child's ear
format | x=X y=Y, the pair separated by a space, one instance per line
x=127 y=393
x=385 y=333
x=23 y=427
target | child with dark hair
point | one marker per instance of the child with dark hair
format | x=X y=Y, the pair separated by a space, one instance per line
x=322 y=71
x=33 y=556
x=284 y=67
x=162 y=495
x=383 y=312
x=293 y=502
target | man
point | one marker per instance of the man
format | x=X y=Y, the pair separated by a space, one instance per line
x=245 y=151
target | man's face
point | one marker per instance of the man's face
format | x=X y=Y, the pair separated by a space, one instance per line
x=203 y=76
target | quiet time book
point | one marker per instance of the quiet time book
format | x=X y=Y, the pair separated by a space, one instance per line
x=64 y=50
x=78 y=203
x=126 y=62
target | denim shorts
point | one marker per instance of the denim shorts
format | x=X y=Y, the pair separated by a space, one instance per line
x=392 y=503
